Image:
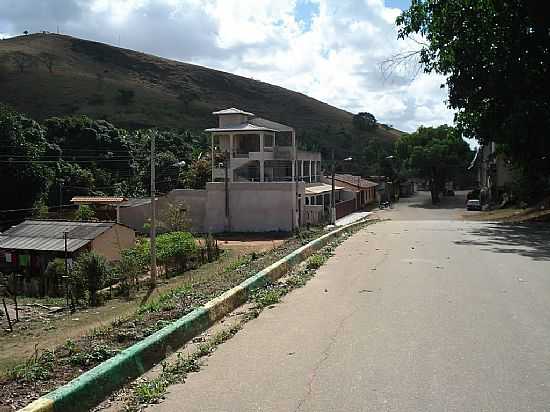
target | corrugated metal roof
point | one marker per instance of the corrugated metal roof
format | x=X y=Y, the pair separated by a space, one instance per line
x=48 y=234
x=279 y=127
x=97 y=199
x=232 y=110
x=136 y=202
x=40 y=243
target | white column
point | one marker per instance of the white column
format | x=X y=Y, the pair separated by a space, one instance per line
x=213 y=157
x=310 y=174
x=230 y=157
x=262 y=170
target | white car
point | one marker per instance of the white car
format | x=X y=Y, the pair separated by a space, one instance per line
x=473 y=204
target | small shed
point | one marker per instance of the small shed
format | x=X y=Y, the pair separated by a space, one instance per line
x=28 y=247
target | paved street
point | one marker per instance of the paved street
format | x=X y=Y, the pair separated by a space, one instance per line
x=423 y=312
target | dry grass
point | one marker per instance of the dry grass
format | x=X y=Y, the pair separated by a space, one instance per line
x=510 y=215
x=86 y=77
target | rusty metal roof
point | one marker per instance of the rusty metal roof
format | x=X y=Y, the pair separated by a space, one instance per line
x=97 y=199
x=48 y=235
x=356 y=181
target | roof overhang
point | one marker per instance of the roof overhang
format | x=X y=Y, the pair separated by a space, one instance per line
x=320 y=189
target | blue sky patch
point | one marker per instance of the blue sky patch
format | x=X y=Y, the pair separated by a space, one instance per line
x=305 y=11
x=398 y=4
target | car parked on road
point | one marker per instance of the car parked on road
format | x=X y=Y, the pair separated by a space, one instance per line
x=473 y=204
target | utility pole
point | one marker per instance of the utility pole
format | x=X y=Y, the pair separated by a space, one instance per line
x=226 y=180
x=65 y=234
x=153 y=234
x=333 y=192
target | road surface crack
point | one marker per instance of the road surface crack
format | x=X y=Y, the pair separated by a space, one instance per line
x=324 y=356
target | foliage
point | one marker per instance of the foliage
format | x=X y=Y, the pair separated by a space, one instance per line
x=438 y=154
x=89 y=356
x=93 y=271
x=197 y=175
x=364 y=121
x=174 y=218
x=133 y=263
x=23 y=144
x=84 y=212
x=177 y=247
x=495 y=56
x=316 y=261
x=36 y=368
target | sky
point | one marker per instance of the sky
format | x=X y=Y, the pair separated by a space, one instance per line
x=328 y=49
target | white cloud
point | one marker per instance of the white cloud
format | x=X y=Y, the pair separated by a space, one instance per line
x=335 y=57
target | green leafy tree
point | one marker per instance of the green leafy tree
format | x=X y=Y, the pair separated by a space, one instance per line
x=25 y=177
x=496 y=57
x=84 y=212
x=197 y=175
x=437 y=154
x=364 y=121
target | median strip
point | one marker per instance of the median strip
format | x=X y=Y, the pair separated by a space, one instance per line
x=91 y=387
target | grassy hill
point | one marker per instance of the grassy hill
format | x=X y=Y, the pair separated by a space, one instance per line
x=48 y=75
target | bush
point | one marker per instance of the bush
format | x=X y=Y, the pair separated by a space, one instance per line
x=92 y=271
x=316 y=261
x=84 y=212
x=177 y=248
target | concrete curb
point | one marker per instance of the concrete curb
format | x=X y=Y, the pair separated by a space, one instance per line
x=93 y=386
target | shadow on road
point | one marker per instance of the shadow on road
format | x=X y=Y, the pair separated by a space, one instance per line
x=531 y=240
x=447 y=202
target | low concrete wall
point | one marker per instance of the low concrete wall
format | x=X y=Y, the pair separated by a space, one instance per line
x=196 y=203
x=253 y=207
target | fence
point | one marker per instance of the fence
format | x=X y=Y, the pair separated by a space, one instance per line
x=345 y=208
x=313 y=214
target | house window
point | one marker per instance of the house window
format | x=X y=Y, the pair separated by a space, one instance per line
x=307 y=201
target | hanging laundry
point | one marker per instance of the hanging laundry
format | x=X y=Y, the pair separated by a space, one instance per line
x=24 y=260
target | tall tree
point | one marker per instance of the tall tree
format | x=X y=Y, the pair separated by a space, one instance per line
x=25 y=177
x=496 y=57
x=437 y=154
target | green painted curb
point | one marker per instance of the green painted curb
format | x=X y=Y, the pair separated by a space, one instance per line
x=93 y=386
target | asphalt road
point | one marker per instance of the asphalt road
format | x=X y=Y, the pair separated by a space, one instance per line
x=425 y=312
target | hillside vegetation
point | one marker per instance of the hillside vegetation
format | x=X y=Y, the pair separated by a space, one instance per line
x=47 y=75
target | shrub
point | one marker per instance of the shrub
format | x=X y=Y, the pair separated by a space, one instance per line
x=93 y=271
x=84 y=212
x=176 y=247
x=316 y=261
x=36 y=368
